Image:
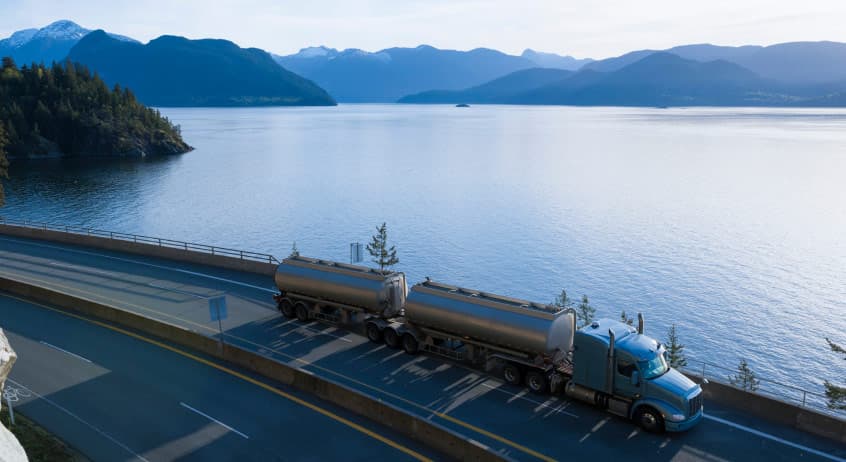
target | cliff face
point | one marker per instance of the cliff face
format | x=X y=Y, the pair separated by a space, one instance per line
x=10 y=449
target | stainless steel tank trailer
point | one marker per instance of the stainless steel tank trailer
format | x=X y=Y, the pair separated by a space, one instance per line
x=608 y=364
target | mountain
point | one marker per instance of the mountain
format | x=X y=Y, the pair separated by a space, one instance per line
x=554 y=61
x=175 y=71
x=65 y=110
x=494 y=91
x=51 y=43
x=359 y=76
x=792 y=63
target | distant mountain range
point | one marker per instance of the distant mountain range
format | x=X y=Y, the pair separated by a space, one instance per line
x=384 y=76
x=48 y=44
x=174 y=71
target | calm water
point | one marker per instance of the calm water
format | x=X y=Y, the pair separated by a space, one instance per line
x=730 y=223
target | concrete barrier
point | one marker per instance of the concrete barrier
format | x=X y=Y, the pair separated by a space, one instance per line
x=413 y=426
x=773 y=409
x=149 y=250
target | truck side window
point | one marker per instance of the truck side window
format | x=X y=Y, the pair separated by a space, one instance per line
x=625 y=368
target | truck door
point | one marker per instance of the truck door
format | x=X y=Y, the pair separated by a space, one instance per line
x=625 y=368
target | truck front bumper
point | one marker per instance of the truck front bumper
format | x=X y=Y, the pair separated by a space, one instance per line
x=683 y=425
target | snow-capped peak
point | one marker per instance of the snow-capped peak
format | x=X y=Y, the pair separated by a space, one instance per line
x=62 y=30
x=20 y=37
x=316 y=52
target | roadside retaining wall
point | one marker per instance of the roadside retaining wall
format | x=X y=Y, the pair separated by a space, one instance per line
x=149 y=250
x=415 y=427
x=773 y=409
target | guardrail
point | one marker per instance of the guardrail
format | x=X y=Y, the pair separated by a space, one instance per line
x=789 y=393
x=139 y=239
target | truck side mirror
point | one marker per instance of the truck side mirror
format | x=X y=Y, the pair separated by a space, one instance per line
x=635 y=378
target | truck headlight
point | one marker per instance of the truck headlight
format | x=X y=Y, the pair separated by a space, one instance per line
x=675 y=417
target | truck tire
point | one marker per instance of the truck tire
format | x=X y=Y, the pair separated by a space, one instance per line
x=536 y=381
x=391 y=338
x=302 y=311
x=512 y=374
x=649 y=419
x=373 y=332
x=409 y=344
x=286 y=307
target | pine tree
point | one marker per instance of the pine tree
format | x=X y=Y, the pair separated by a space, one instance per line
x=836 y=394
x=745 y=377
x=295 y=252
x=378 y=248
x=675 y=350
x=585 y=312
x=625 y=319
x=563 y=300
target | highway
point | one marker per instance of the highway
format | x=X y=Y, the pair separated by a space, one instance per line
x=115 y=395
x=508 y=419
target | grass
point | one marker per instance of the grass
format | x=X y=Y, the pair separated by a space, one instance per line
x=39 y=444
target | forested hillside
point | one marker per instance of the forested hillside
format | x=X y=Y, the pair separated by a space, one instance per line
x=65 y=110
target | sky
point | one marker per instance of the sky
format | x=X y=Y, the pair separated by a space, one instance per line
x=581 y=28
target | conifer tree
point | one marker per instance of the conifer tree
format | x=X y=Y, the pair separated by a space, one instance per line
x=745 y=377
x=675 y=350
x=585 y=313
x=295 y=252
x=563 y=300
x=378 y=248
x=836 y=394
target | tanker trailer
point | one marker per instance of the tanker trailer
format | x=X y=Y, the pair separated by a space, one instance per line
x=526 y=340
x=335 y=292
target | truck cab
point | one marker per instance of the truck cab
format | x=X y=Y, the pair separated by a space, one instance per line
x=627 y=372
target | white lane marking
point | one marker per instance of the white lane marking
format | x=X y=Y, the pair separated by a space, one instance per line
x=774 y=438
x=101 y=432
x=214 y=420
x=64 y=351
x=127 y=260
x=520 y=395
x=183 y=292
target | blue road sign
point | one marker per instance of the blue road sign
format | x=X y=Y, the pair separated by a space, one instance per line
x=217 y=308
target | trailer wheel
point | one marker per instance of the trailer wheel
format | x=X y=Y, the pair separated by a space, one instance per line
x=512 y=374
x=302 y=311
x=391 y=338
x=373 y=332
x=536 y=381
x=286 y=307
x=409 y=344
x=649 y=419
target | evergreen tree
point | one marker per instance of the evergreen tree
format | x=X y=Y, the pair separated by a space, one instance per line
x=563 y=300
x=745 y=377
x=4 y=164
x=836 y=394
x=295 y=252
x=585 y=312
x=378 y=248
x=675 y=350
x=625 y=319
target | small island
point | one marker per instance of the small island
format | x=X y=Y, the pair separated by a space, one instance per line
x=462 y=105
x=64 y=110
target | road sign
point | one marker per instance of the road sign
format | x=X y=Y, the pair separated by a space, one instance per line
x=217 y=308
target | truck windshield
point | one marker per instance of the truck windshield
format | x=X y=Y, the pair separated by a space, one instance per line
x=654 y=367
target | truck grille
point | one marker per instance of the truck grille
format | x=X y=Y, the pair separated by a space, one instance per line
x=695 y=404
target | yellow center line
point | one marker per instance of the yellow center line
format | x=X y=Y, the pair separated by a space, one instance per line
x=241 y=376
x=434 y=412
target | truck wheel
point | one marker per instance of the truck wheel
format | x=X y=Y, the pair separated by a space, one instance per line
x=302 y=311
x=512 y=374
x=409 y=344
x=536 y=381
x=373 y=332
x=649 y=419
x=286 y=307
x=391 y=338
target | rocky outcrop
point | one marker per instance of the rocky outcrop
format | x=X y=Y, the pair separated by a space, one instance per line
x=10 y=448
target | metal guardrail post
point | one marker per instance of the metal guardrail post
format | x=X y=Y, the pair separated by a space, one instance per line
x=160 y=242
x=242 y=255
x=804 y=397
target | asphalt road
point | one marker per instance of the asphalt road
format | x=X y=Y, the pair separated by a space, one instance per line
x=505 y=418
x=115 y=396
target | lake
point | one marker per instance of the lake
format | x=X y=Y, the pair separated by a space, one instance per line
x=730 y=223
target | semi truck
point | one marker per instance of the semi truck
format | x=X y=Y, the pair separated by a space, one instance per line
x=608 y=364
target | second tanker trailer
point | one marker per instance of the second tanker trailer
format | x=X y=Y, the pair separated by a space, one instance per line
x=608 y=364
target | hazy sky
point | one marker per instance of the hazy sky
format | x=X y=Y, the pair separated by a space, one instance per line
x=583 y=28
